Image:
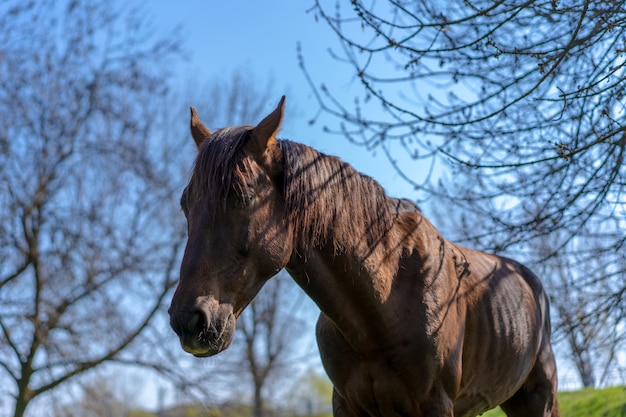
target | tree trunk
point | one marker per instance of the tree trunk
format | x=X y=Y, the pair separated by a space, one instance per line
x=257 y=410
x=20 y=407
x=585 y=371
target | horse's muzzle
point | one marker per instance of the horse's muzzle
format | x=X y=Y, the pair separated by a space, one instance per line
x=205 y=329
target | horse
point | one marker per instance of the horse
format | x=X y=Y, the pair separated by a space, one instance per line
x=410 y=324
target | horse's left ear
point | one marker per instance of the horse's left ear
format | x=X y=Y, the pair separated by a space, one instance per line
x=199 y=131
x=263 y=136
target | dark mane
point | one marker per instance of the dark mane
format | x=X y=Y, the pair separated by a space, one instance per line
x=326 y=196
x=218 y=167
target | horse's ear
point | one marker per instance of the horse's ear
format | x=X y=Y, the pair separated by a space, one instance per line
x=198 y=130
x=263 y=136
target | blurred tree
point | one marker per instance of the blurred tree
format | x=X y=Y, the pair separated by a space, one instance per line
x=311 y=395
x=103 y=396
x=270 y=334
x=514 y=112
x=267 y=342
x=238 y=98
x=592 y=338
x=88 y=244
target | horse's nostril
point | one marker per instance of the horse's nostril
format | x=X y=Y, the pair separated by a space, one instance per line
x=197 y=322
x=189 y=322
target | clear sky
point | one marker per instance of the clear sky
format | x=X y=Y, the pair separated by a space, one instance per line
x=222 y=36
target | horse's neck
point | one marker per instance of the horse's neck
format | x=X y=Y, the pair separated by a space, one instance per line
x=363 y=295
x=343 y=290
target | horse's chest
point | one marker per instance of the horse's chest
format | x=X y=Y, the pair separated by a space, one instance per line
x=390 y=382
x=385 y=386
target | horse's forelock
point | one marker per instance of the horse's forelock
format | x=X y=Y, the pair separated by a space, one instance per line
x=217 y=165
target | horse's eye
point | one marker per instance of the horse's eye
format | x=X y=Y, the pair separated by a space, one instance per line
x=241 y=198
x=183 y=204
x=243 y=251
x=248 y=198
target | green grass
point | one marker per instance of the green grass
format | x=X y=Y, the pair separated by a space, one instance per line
x=607 y=402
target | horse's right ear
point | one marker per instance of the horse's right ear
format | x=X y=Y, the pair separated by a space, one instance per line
x=198 y=130
x=263 y=136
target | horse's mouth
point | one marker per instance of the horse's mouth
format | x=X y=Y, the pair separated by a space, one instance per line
x=204 y=348
x=205 y=329
x=209 y=340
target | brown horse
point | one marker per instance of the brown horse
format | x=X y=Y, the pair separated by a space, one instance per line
x=410 y=324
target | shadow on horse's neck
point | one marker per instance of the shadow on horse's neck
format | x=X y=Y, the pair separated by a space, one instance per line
x=348 y=239
x=329 y=203
x=341 y=287
x=368 y=299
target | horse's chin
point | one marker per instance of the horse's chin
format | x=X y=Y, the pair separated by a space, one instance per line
x=204 y=350
x=206 y=354
x=212 y=350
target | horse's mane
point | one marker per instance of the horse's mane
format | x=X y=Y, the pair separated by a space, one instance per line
x=324 y=196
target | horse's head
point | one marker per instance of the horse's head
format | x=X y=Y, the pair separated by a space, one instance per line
x=238 y=234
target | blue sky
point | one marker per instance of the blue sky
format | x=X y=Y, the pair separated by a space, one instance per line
x=222 y=36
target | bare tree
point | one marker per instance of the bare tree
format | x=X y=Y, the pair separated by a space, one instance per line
x=311 y=395
x=88 y=248
x=511 y=112
x=104 y=396
x=583 y=323
x=270 y=332
x=240 y=98
x=529 y=90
